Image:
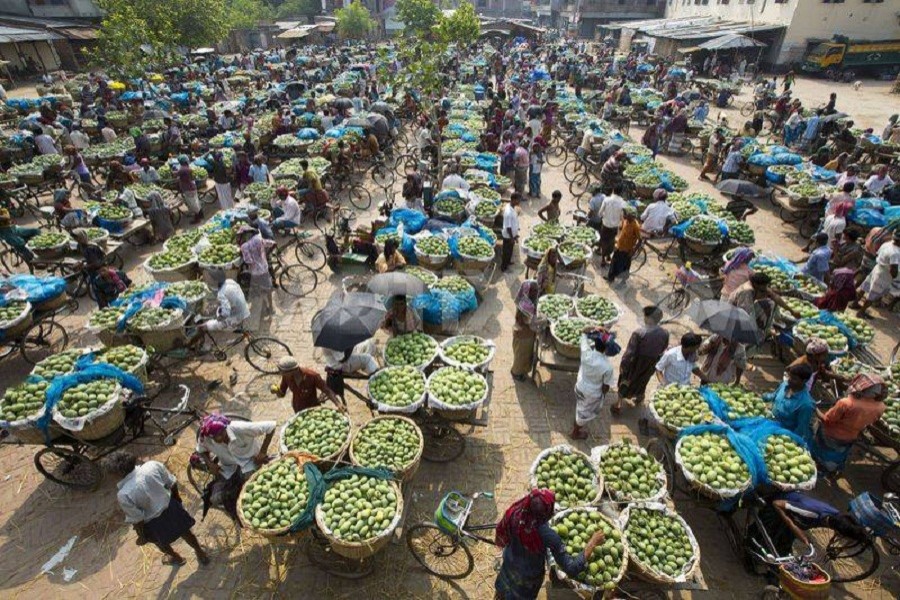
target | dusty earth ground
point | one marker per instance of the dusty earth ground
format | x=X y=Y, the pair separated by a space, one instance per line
x=37 y=517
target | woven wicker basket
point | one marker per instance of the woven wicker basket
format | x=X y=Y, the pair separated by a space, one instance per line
x=184 y=272
x=301 y=458
x=321 y=461
x=431 y=262
x=804 y=590
x=701 y=246
x=361 y=550
x=52 y=303
x=99 y=424
x=19 y=325
x=645 y=571
x=408 y=471
x=583 y=590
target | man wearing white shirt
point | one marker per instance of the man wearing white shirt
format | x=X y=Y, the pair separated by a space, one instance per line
x=658 y=214
x=612 y=209
x=79 y=138
x=44 y=142
x=879 y=180
x=454 y=181
x=290 y=210
x=232 y=450
x=510 y=231
x=678 y=364
x=233 y=309
x=148 y=495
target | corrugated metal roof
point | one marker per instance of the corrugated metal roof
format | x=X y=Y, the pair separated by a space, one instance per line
x=693 y=28
x=9 y=35
x=78 y=33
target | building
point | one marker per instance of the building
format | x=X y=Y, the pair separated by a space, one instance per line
x=509 y=9
x=586 y=16
x=60 y=9
x=790 y=27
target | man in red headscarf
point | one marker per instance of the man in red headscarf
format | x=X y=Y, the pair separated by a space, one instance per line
x=525 y=535
x=231 y=450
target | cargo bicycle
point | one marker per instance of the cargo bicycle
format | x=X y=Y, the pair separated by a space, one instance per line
x=40 y=337
x=74 y=463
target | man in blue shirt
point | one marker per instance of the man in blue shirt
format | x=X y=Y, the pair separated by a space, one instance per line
x=817 y=263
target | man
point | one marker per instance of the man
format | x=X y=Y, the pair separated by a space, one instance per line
x=884 y=278
x=232 y=451
x=659 y=214
x=551 y=212
x=287 y=210
x=232 y=310
x=454 y=181
x=510 y=231
x=645 y=347
x=595 y=376
x=677 y=364
x=188 y=188
x=611 y=211
x=108 y=134
x=726 y=360
x=148 y=173
x=594 y=204
x=148 y=495
x=848 y=252
x=310 y=182
x=626 y=244
x=16 y=237
x=716 y=140
x=259 y=172
x=816 y=357
x=817 y=264
x=731 y=168
x=254 y=254
x=874 y=184
x=226 y=121
x=758 y=301
x=425 y=140
x=79 y=138
x=172 y=135
x=611 y=172
x=304 y=384
x=43 y=142
x=258 y=223
x=811 y=133
x=221 y=176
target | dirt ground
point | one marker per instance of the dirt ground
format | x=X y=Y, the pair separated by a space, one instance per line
x=38 y=517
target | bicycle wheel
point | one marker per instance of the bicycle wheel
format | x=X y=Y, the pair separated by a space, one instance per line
x=890 y=479
x=359 y=197
x=580 y=184
x=639 y=259
x=572 y=168
x=747 y=109
x=44 y=339
x=199 y=477
x=322 y=220
x=438 y=553
x=310 y=254
x=382 y=175
x=845 y=559
x=556 y=156
x=733 y=534
x=443 y=442
x=68 y=468
x=263 y=353
x=298 y=280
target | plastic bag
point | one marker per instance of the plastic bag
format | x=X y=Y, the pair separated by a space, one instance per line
x=438 y=307
x=37 y=289
x=827 y=318
x=308 y=133
x=412 y=220
x=868 y=217
x=788 y=158
x=678 y=230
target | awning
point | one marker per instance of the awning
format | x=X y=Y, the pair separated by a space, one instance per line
x=293 y=34
x=11 y=35
x=731 y=41
x=325 y=26
x=78 y=33
x=690 y=49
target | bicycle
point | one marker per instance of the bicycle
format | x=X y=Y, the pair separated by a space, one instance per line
x=306 y=252
x=297 y=280
x=648 y=243
x=687 y=286
x=441 y=546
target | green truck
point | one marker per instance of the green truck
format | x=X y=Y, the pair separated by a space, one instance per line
x=844 y=60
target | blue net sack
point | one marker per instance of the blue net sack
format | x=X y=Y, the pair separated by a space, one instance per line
x=827 y=318
x=743 y=446
x=787 y=158
x=892 y=214
x=308 y=133
x=335 y=132
x=413 y=221
x=823 y=175
x=679 y=230
x=716 y=404
x=759 y=430
x=438 y=307
x=763 y=160
x=778 y=262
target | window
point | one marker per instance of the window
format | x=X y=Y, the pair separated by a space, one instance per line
x=833 y=1
x=704 y=2
x=781 y=1
x=872 y=1
x=722 y=1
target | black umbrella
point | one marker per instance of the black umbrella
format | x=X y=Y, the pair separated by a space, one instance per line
x=342 y=103
x=535 y=111
x=396 y=284
x=740 y=187
x=347 y=320
x=381 y=107
x=725 y=319
x=834 y=117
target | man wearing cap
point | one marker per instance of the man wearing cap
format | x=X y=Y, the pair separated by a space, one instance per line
x=287 y=210
x=645 y=347
x=304 y=384
x=817 y=358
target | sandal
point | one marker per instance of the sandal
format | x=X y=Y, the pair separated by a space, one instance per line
x=173 y=561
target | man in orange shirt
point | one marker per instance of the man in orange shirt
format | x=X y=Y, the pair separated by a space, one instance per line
x=842 y=424
x=626 y=244
x=304 y=384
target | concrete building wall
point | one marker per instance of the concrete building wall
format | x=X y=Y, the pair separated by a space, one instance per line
x=15 y=7
x=816 y=21
x=760 y=11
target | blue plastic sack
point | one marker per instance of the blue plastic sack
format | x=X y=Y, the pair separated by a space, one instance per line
x=788 y=158
x=335 y=132
x=37 y=289
x=408 y=249
x=308 y=133
x=867 y=217
x=763 y=160
x=413 y=221
x=678 y=230
x=892 y=214
x=827 y=318
x=180 y=98
x=823 y=175
x=438 y=307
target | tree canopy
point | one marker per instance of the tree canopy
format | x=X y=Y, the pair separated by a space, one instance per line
x=298 y=8
x=461 y=27
x=418 y=17
x=354 y=21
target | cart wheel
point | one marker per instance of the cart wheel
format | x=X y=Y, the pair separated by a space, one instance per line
x=320 y=554
x=43 y=339
x=443 y=442
x=890 y=479
x=359 y=197
x=659 y=450
x=68 y=468
x=263 y=354
x=438 y=553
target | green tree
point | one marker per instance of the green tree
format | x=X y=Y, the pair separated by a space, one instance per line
x=354 y=21
x=246 y=14
x=462 y=27
x=418 y=17
x=298 y=8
